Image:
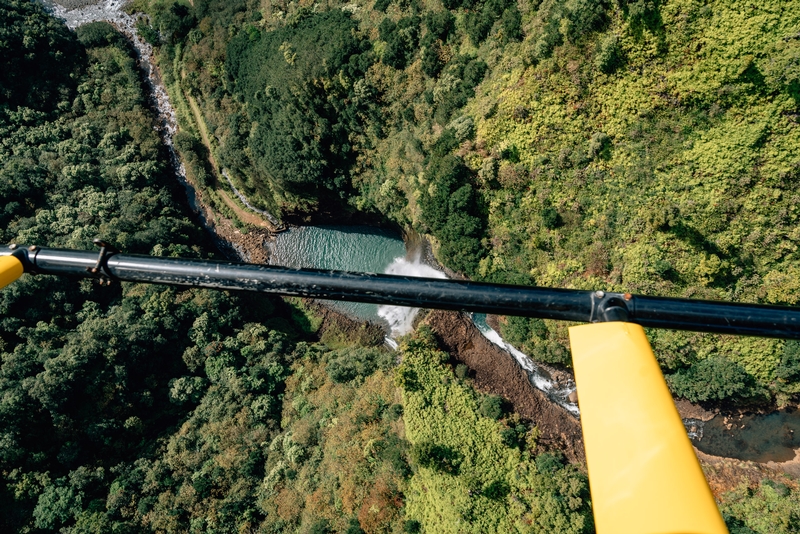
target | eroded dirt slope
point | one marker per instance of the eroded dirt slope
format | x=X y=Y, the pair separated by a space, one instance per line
x=495 y=371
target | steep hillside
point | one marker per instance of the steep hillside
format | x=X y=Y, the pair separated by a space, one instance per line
x=641 y=146
x=635 y=146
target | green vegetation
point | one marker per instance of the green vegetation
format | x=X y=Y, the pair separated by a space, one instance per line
x=39 y=59
x=475 y=470
x=635 y=146
x=340 y=460
x=88 y=373
x=143 y=408
x=638 y=146
x=296 y=84
x=771 y=508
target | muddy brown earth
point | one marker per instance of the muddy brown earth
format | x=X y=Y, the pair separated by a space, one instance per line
x=727 y=474
x=495 y=371
x=249 y=244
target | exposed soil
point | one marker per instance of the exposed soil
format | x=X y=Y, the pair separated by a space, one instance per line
x=495 y=371
x=249 y=246
x=560 y=375
x=726 y=474
x=688 y=410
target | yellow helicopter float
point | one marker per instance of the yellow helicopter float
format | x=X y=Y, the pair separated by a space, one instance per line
x=647 y=483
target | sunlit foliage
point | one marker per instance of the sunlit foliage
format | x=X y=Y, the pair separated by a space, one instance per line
x=474 y=469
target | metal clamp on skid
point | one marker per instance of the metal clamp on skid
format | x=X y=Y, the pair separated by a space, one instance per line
x=23 y=254
x=607 y=307
x=101 y=267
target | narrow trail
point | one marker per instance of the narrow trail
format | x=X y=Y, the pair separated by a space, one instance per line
x=111 y=11
x=247 y=217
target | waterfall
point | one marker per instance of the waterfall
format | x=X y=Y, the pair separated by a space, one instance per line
x=401 y=318
x=537 y=376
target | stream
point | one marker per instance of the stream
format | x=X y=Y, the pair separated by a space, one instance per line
x=761 y=438
x=772 y=437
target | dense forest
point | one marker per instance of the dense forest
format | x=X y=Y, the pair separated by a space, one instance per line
x=645 y=146
x=635 y=146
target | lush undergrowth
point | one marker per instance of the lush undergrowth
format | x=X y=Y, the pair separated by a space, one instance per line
x=474 y=469
x=634 y=146
x=126 y=408
x=639 y=146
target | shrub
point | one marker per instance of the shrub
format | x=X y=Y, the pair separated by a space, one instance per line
x=609 y=54
x=401 y=40
x=394 y=412
x=431 y=62
x=585 y=17
x=101 y=33
x=462 y=371
x=474 y=72
x=321 y=526
x=382 y=5
x=512 y=24
x=440 y=24
x=477 y=26
x=789 y=368
x=491 y=407
x=549 y=462
x=599 y=146
x=437 y=457
x=509 y=437
x=347 y=364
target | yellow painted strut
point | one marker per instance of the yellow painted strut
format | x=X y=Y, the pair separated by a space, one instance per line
x=643 y=473
x=10 y=270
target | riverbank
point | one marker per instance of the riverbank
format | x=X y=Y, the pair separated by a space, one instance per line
x=496 y=372
x=247 y=242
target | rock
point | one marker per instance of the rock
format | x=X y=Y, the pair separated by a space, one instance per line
x=573 y=397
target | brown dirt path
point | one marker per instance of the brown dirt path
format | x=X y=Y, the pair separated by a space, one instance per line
x=242 y=214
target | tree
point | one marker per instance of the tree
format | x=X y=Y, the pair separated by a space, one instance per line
x=714 y=378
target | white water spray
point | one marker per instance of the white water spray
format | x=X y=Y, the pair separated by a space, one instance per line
x=401 y=318
x=559 y=395
x=401 y=321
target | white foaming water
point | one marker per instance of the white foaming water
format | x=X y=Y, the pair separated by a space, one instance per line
x=558 y=395
x=401 y=318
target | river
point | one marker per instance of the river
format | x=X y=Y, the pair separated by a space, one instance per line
x=762 y=438
x=374 y=250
